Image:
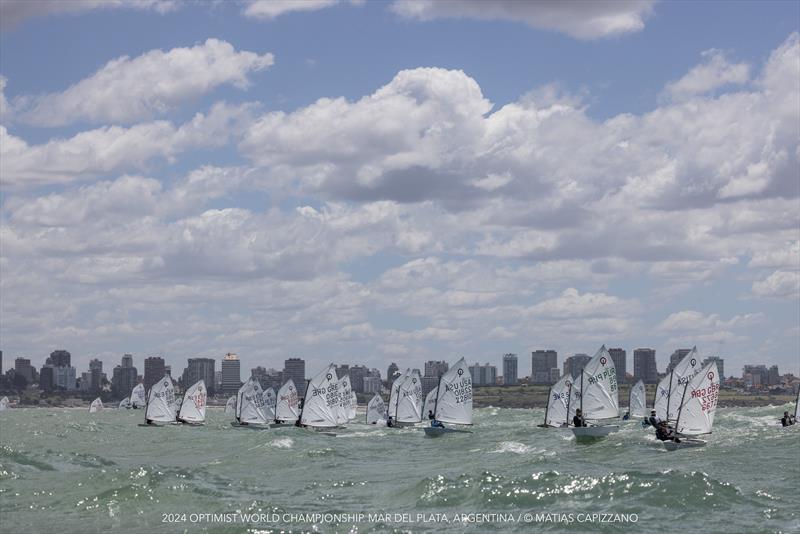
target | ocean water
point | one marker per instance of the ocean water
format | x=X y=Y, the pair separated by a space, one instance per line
x=65 y=470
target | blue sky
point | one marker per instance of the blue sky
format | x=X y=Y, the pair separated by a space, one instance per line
x=399 y=181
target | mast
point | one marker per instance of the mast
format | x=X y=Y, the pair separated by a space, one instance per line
x=547 y=406
x=582 y=416
x=303 y=407
x=146 y=404
x=569 y=399
x=680 y=408
x=669 y=392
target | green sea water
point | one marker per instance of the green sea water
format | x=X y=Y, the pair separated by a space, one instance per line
x=65 y=470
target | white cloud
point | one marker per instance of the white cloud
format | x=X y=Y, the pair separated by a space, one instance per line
x=113 y=148
x=128 y=89
x=780 y=284
x=270 y=9
x=694 y=321
x=580 y=19
x=13 y=12
x=712 y=74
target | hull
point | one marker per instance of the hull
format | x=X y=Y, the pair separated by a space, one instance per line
x=435 y=432
x=593 y=433
x=685 y=443
x=253 y=426
x=154 y=425
x=188 y=423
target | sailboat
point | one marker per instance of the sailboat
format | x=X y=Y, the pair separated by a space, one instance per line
x=125 y=403
x=429 y=408
x=160 y=406
x=96 y=405
x=408 y=405
x=698 y=404
x=345 y=400
x=269 y=404
x=637 y=402
x=669 y=389
x=3 y=404
x=558 y=403
x=250 y=406
x=599 y=399
x=376 y=411
x=230 y=406
x=193 y=407
x=394 y=396
x=321 y=401
x=287 y=406
x=453 y=400
x=353 y=406
x=138 y=397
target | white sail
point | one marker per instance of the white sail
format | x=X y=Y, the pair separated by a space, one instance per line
x=430 y=403
x=599 y=392
x=161 y=401
x=269 y=403
x=321 y=403
x=96 y=405
x=138 y=397
x=345 y=398
x=699 y=403
x=287 y=408
x=353 y=406
x=682 y=374
x=3 y=404
x=637 y=401
x=230 y=406
x=558 y=402
x=574 y=400
x=250 y=403
x=662 y=397
x=409 y=404
x=125 y=403
x=454 y=400
x=376 y=410
x=394 y=397
x=193 y=408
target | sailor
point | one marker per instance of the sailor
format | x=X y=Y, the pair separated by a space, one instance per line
x=626 y=416
x=390 y=422
x=578 y=419
x=654 y=420
x=430 y=415
x=666 y=433
x=150 y=421
x=435 y=423
x=787 y=420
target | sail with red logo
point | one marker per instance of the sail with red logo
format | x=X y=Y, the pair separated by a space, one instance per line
x=599 y=400
x=682 y=374
x=193 y=408
x=161 y=402
x=322 y=400
x=287 y=409
x=699 y=403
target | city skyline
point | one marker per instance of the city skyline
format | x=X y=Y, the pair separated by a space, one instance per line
x=207 y=181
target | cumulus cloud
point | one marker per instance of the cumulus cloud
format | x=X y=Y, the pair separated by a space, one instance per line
x=114 y=148
x=270 y=9
x=780 y=284
x=128 y=89
x=690 y=320
x=713 y=73
x=13 y=12
x=580 y=19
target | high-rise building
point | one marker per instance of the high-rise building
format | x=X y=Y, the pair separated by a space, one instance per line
x=676 y=357
x=200 y=369
x=153 y=371
x=436 y=368
x=127 y=360
x=295 y=368
x=773 y=376
x=168 y=370
x=555 y=375
x=372 y=384
x=86 y=382
x=231 y=374
x=575 y=364
x=60 y=358
x=720 y=365
x=218 y=380
x=620 y=357
x=123 y=380
x=96 y=375
x=357 y=374
x=644 y=365
x=268 y=378
x=342 y=370
x=483 y=375
x=64 y=378
x=23 y=367
x=510 y=369
x=46 y=376
x=541 y=363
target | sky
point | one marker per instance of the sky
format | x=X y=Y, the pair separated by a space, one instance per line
x=369 y=182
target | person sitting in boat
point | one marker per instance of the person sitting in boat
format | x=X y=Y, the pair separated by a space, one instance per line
x=626 y=416
x=787 y=419
x=666 y=433
x=150 y=421
x=578 y=419
x=435 y=423
x=654 y=420
x=430 y=415
x=390 y=422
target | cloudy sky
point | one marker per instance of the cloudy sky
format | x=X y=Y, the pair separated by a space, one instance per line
x=367 y=182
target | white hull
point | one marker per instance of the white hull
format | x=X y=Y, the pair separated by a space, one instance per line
x=588 y=433
x=686 y=443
